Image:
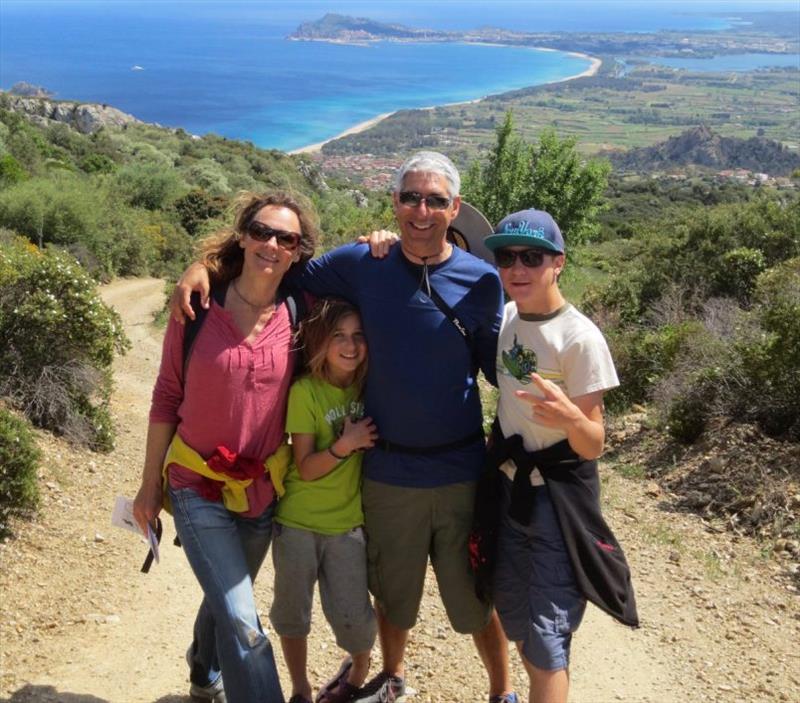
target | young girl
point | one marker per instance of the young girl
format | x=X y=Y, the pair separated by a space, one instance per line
x=554 y=550
x=319 y=533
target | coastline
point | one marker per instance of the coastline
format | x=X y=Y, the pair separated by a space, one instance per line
x=315 y=148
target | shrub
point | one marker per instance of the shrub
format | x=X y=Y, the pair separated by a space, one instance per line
x=19 y=458
x=772 y=359
x=150 y=186
x=196 y=207
x=10 y=171
x=737 y=273
x=59 y=343
x=642 y=357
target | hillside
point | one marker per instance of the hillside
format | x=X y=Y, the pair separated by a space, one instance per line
x=701 y=146
x=80 y=624
x=129 y=198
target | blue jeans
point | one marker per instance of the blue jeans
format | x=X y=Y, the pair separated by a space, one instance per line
x=225 y=552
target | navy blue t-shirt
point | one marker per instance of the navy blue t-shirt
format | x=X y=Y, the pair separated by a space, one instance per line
x=421 y=387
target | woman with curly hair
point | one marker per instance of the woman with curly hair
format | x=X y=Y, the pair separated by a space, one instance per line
x=217 y=414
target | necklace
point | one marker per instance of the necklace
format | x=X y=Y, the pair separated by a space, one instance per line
x=261 y=308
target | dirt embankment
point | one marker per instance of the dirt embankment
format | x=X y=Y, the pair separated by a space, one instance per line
x=80 y=624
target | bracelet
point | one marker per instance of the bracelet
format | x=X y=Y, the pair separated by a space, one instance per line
x=338 y=457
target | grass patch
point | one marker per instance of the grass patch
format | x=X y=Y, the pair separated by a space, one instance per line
x=661 y=534
x=635 y=472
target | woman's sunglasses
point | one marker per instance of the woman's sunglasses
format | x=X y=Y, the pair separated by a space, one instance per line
x=530 y=258
x=411 y=198
x=263 y=233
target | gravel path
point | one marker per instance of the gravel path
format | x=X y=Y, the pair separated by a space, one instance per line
x=80 y=624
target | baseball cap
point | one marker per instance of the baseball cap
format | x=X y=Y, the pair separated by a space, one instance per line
x=527 y=228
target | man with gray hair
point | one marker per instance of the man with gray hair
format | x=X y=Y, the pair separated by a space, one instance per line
x=431 y=313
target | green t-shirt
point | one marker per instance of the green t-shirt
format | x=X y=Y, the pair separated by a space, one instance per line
x=330 y=504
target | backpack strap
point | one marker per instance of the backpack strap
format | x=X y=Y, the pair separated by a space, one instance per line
x=192 y=327
x=296 y=303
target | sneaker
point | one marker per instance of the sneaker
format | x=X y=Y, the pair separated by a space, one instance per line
x=384 y=688
x=504 y=698
x=213 y=692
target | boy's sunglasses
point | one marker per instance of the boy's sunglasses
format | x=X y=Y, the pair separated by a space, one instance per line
x=530 y=258
x=411 y=198
x=263 y=233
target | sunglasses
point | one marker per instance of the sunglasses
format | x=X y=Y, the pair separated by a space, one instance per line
x=530 y=258
x=263 y=233
x=411 y=198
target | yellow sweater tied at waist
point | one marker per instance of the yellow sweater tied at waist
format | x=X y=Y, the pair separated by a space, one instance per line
x=233 y=490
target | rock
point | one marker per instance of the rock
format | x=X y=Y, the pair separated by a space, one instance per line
x=359 y=198
x=86 y=118
x=313 y=175
x=99 y=538
x=653 y=489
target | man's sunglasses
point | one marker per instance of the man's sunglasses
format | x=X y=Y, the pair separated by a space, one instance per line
x=411 y=198
x=530 y=258
x=263 y=233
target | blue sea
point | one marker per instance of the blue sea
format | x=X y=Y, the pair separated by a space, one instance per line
x=227 y=67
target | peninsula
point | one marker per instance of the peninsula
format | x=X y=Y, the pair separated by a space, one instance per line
x=756 y=33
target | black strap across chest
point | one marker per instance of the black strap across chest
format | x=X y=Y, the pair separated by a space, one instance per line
x=443 y=306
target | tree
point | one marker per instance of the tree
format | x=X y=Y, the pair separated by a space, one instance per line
x=498 y=188
x=549 y=175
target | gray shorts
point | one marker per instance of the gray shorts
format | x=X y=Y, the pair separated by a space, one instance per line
x=339 y=563
x=535 y=592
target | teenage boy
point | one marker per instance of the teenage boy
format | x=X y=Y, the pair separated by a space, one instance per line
x=553 y=367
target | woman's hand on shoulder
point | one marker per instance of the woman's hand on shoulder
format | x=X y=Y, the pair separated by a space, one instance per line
x=380 y=242
x=194 y=278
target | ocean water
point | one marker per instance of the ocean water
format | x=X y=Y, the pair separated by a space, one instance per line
x=228 y=68
x=733 y=62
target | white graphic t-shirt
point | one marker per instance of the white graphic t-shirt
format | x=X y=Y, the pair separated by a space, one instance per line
x=566 y=348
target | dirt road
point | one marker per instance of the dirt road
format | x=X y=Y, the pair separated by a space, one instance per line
x=80 y=624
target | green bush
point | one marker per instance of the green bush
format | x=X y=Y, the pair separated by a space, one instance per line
x=737 y=273
x=19 y=459
x=59 y=343
x=642 y=357
x=771 y=360
x=196 y=207
x=150 y=186
x=10 y=171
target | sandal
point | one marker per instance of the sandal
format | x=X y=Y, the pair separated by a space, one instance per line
x=338 y=690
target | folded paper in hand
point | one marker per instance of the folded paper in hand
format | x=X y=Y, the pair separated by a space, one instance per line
x=122 y=516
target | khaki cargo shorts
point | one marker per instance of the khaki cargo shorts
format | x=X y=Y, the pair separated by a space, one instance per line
x=406 y=526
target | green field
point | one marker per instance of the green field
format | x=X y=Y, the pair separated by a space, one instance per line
x=605 y=112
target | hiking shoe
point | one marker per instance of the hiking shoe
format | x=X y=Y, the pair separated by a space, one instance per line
x=338 y=689
x=504 y=698
x=384 y=688
x=213 y=692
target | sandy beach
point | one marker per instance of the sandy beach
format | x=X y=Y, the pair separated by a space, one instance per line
x=363 y=126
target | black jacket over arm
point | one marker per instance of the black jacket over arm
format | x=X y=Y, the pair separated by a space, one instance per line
x=601 y=570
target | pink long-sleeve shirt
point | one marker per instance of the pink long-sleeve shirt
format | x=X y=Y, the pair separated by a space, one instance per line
x=234 y=393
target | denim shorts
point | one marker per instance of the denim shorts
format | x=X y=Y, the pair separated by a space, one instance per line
x=536 y=596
